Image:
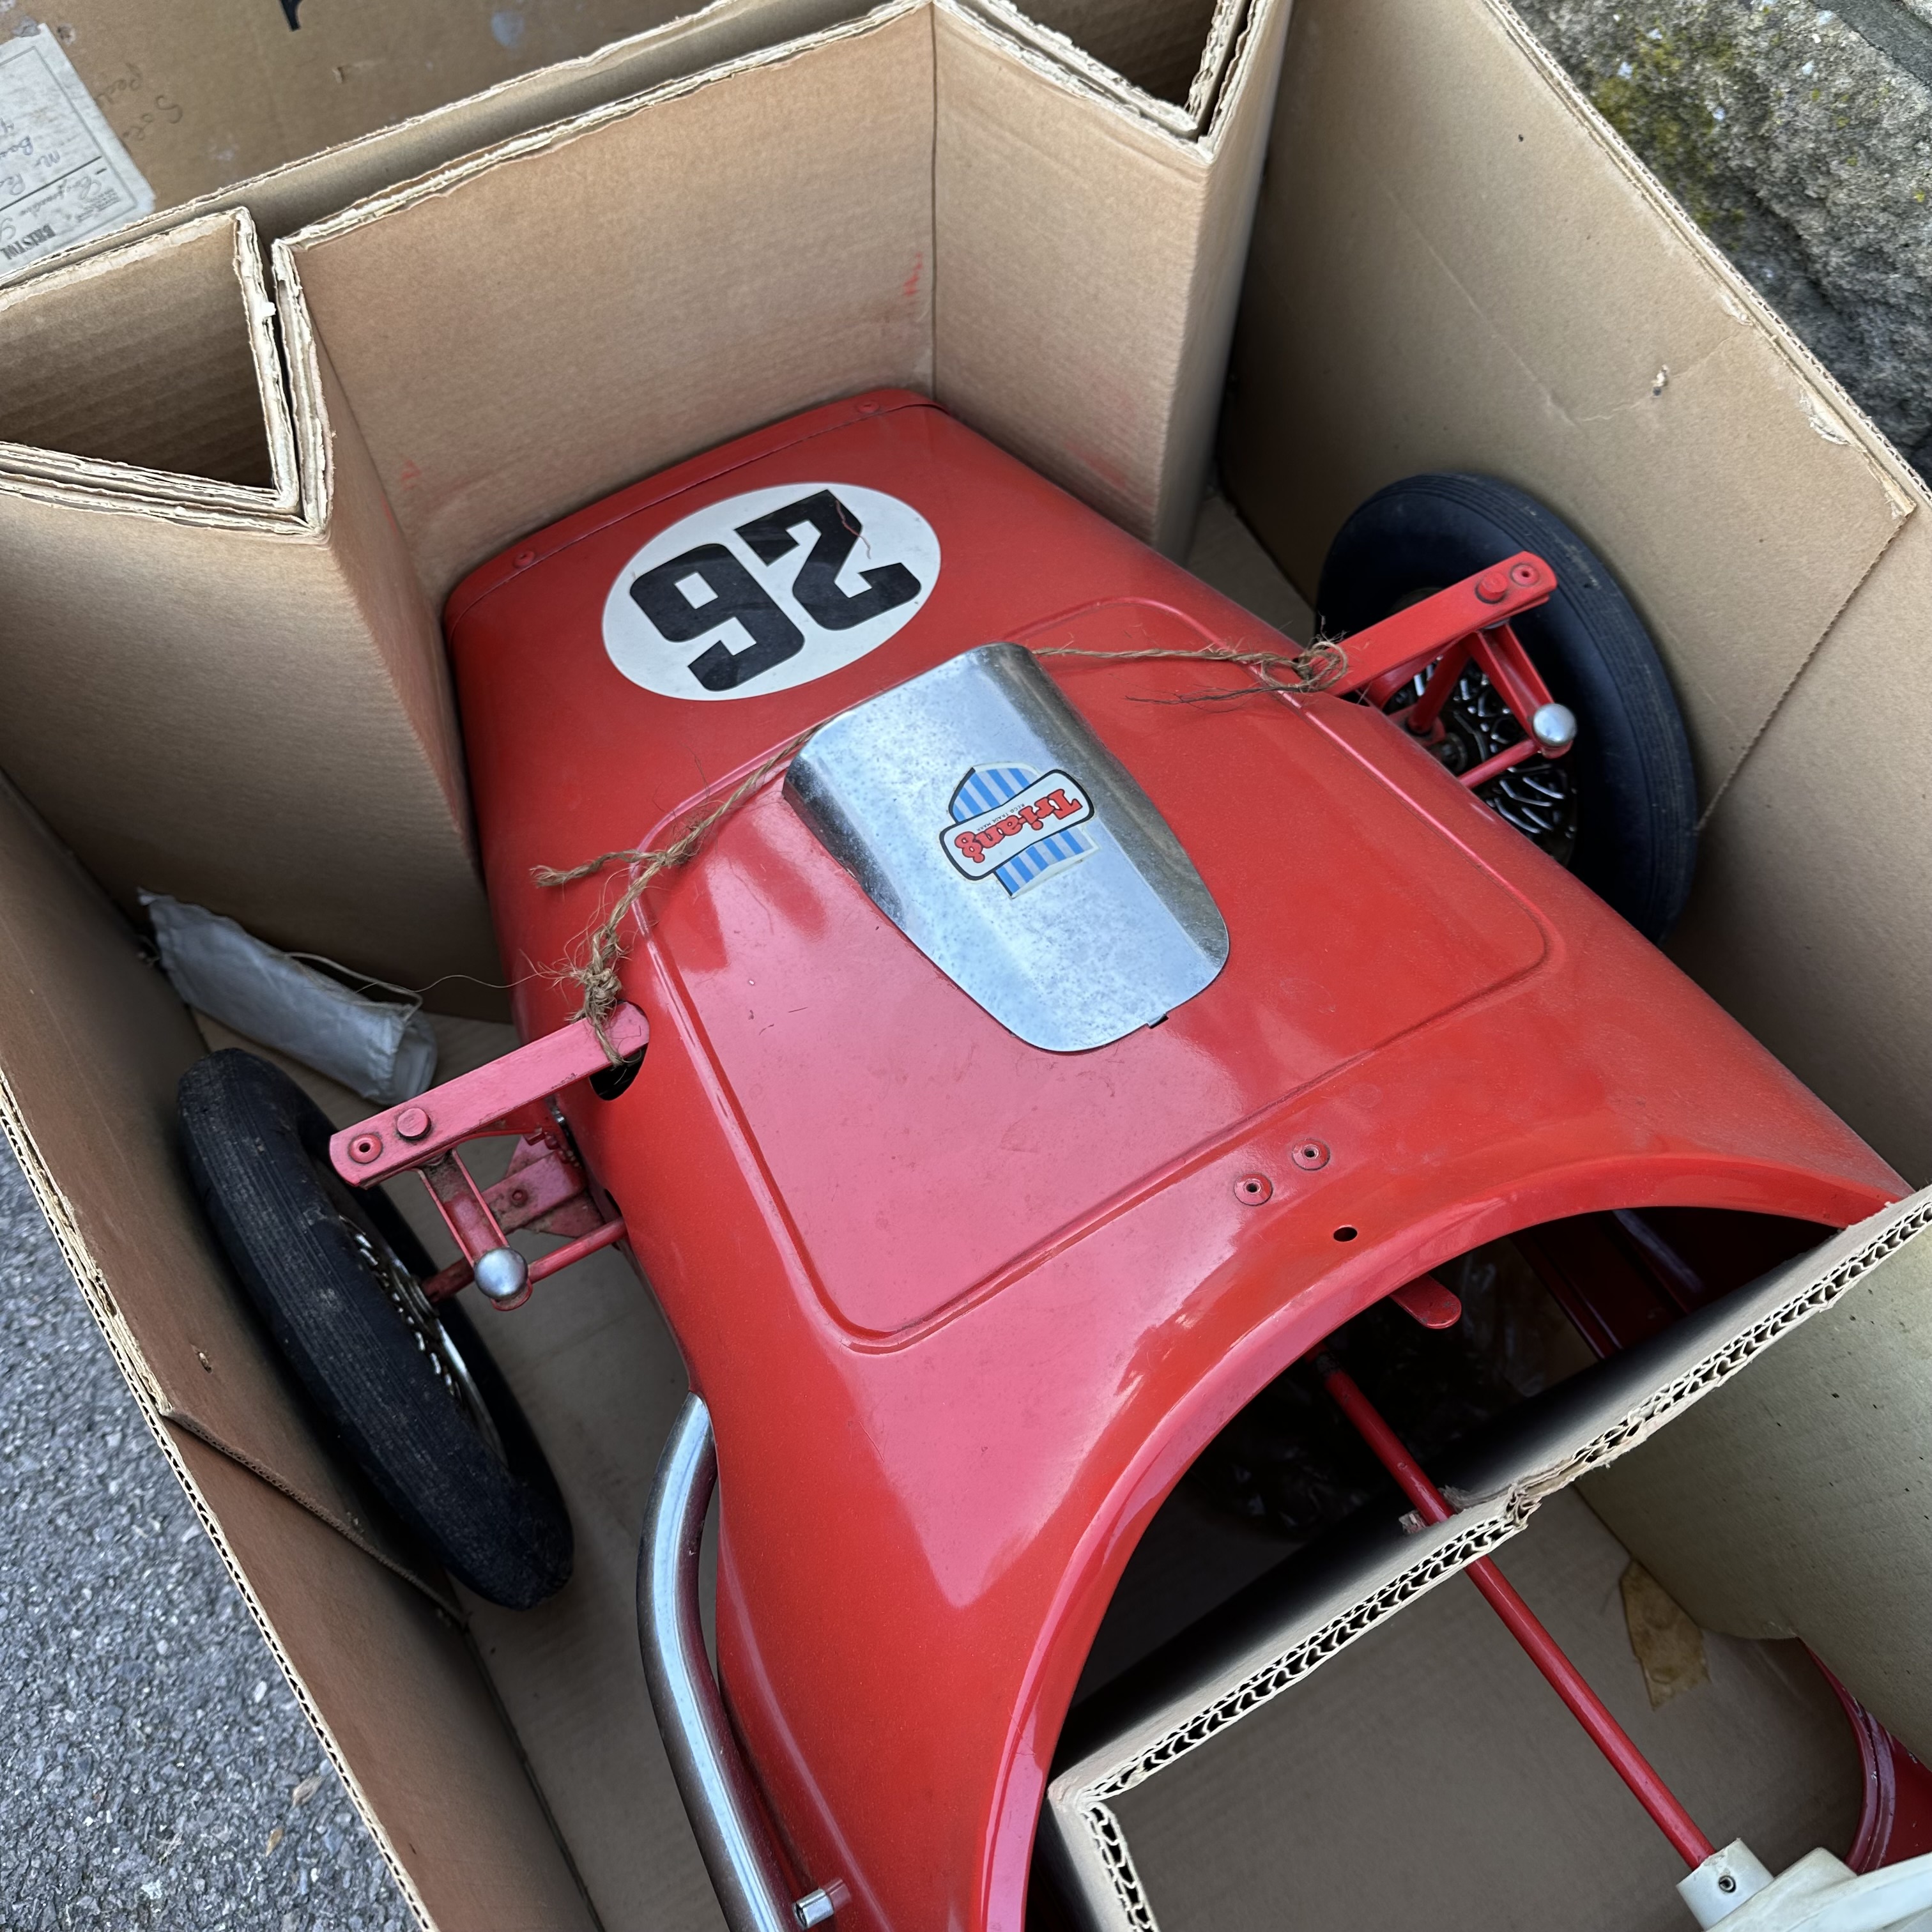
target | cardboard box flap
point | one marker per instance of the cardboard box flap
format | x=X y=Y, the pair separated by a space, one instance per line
x=1278 y=1637
x=392 y=1688
x=93 y=1041
x=1508 y=1816
x=1088 y=265
x=792 y=265
x=1813 y=906
x=252 y=717
x=289 y=195
x=1166 y=62
x=1401 y=314
x=204 y=93
x=1795 y=1502
x=151 y=371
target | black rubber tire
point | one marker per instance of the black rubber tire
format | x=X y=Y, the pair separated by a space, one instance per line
x=1637 y=827
x=257 y=1151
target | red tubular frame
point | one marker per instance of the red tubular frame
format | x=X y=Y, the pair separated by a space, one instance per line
x=1606 y=1733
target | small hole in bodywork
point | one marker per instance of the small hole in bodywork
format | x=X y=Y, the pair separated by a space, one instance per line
x=607 y=1082
x=1345 y=1233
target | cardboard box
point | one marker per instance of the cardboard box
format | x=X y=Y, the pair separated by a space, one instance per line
x=222 y=540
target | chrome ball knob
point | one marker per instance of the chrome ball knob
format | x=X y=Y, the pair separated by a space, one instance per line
x=1554 y=726
x=504 y=1276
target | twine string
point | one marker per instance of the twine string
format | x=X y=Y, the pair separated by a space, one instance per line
x=1314 y=669
x=601 y=953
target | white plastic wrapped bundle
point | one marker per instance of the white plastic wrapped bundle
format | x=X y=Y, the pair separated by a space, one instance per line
x=383 y=1049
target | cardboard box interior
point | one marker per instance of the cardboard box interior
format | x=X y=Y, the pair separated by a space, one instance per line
x=854 y=170
x=239 y=698
x=1185 y=1729
x=1432 y=1753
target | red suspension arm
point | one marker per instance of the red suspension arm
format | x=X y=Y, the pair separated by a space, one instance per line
x=1608 y=1736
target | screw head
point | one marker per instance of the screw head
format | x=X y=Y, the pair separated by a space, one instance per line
x=364 y=1147
x=1252 y=1190
x=412 y=1124
x=1309 y=1154
x=1492 y=586
x=503 y=1276
x=1554 y=726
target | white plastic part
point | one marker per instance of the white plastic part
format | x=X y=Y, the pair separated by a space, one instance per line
x=1818 y=1894
x=1724 y=1882
x=381 y=1049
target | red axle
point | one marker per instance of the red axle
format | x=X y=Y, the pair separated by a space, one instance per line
x=1608 y=1736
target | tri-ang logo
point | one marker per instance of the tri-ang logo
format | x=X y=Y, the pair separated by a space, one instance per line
x=1009 y=825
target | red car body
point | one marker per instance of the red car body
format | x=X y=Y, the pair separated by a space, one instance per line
x=964 y=1310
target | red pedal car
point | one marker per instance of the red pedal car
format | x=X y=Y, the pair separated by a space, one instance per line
x=1077 y=1007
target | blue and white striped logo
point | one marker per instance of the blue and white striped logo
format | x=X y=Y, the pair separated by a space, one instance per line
x=1018 y=826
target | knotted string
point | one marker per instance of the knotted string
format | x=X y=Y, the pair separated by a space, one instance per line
x=601 y=951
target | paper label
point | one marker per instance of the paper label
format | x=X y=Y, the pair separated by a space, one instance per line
x=63 y=174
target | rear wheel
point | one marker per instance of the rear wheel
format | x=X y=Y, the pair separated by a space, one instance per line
x=407 y=1389
x=1620 y=809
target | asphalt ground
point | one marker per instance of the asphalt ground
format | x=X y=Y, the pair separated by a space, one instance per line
x=155 y=1769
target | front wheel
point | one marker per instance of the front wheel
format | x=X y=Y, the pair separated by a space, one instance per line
x=408 y=1390
x=1620 y=809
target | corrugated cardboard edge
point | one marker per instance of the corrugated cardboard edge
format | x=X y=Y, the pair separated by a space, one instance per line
x=1217 y=56
x=452 y=174
x=286 y=197
x=1185 y=119
x=1835 y=416
x=1097 y=1846
x=99 y=1302
x=127 y=483
x=1159 y=338
x=1045 y=63
x=148 y=1392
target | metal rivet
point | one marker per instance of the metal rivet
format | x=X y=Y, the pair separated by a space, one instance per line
x=1493 y=587
x=1253 y=1189
x=364 y=1147
x=502 y=1274
x=1554 y=726
x=1309 y=1155
x=412 y=1124
x=1726 y=1883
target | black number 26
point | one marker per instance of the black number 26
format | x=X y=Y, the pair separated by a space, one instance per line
x=735 y=593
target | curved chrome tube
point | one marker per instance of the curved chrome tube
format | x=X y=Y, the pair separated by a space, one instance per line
x=717 y=1789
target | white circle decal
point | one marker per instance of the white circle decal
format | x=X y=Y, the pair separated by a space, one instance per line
x=768 y=590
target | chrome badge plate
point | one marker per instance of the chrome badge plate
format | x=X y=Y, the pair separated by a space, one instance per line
x=985 y=819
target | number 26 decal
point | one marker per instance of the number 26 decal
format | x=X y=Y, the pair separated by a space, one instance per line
x=768 y=590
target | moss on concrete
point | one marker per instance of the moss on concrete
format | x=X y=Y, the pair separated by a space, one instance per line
x=1802 y=150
